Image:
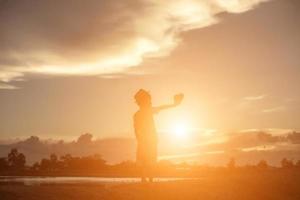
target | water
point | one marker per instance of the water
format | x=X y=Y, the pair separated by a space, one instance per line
x=64 y=180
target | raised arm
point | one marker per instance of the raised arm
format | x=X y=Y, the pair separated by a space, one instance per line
x=177 y=100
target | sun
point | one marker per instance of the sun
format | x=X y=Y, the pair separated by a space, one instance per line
x=180 y=129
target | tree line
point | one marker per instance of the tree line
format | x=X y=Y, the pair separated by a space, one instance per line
x=263 y=164
x=16 y=162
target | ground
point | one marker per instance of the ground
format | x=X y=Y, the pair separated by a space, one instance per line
x=244 y=186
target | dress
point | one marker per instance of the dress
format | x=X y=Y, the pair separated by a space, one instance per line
x=146 y=136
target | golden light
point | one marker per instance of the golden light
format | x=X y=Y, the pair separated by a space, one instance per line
x=180 y=129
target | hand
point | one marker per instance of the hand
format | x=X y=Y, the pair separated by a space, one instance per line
x=178 y=98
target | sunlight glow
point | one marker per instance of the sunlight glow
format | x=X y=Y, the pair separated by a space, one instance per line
x=180 y=129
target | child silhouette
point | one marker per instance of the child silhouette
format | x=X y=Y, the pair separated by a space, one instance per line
x=145 y=131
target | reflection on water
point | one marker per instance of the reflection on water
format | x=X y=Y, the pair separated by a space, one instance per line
x=62 y=180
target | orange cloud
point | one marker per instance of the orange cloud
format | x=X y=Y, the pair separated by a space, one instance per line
x=98 y=37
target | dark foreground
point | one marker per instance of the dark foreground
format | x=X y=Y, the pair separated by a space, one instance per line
x=231 y=186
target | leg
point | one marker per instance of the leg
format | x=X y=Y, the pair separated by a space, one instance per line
x=143 y=174
x=151 y=171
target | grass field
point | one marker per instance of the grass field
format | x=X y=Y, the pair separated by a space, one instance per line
x=281 y=185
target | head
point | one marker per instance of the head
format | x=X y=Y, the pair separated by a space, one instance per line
x=143 y=98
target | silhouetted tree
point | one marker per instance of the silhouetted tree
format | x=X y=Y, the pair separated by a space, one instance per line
x=298 y=164
x=3 y=164
x=54 y=162
x=36 y=166
x=66 y=160
x=45 y=164
x=286 y=164
x=53 y=158
x=95 y=162
x=16 y=160
x=125 y=165
x=262 y=164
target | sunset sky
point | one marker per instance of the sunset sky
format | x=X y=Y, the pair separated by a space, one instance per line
x=70 y=67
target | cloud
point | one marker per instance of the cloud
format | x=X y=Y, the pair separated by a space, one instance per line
x=62 y=37
x=274 y=109
x=255 y=98
x=7 y=86
x=250 y=101
x=251 y=139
